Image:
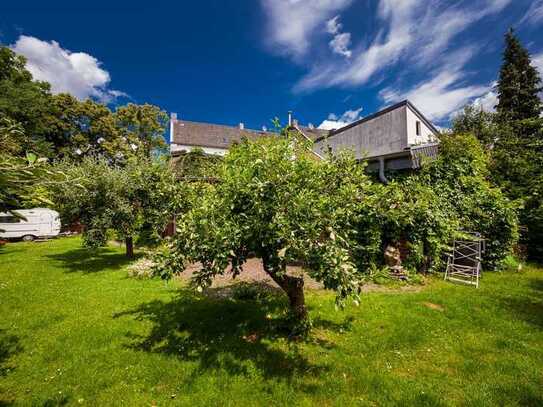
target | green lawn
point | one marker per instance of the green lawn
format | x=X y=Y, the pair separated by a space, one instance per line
x=75 y=330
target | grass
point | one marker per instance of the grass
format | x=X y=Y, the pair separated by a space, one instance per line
x=74 y=330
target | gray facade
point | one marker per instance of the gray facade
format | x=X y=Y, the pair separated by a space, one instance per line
x=392 y=135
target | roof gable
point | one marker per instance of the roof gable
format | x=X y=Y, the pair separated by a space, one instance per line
x=389 y=109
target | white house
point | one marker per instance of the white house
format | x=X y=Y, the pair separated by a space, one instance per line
x=394 y=138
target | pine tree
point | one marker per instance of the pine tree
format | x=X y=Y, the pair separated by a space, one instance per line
x=519 y=82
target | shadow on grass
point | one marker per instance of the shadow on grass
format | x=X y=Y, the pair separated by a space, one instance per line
x=9 y=346
x=91 y=261
x=226 y=334
x=529 y=306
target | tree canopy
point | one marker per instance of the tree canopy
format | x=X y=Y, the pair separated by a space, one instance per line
x=275 y=200
x=131 y=199
x=60 y=126
x=519 y=82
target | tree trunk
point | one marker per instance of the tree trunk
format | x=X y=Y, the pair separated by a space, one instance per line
x=293 y=287
x=129 y=247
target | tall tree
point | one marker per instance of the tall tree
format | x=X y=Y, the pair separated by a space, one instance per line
x=519 y=82
x=26 y=101
x=142 y=126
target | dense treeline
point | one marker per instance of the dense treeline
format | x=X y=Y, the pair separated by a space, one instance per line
x=513 y=140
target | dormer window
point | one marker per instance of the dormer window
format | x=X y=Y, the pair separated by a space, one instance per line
x=418 y=128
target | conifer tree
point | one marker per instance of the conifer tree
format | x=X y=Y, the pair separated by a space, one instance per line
x=519 y=82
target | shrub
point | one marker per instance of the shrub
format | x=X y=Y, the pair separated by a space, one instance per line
x=459 y=176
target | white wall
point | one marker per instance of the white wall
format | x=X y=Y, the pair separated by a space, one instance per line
x=207 y=150
x=426 y=134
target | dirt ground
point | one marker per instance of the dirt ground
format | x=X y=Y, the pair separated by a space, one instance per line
x=252 y=272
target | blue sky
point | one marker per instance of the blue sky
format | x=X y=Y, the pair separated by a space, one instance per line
x=248 y=61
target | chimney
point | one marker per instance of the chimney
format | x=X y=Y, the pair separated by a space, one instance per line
x=241 y=126
x=311 y=126
x=289 y=118
x=173 y=119
x=295 y=122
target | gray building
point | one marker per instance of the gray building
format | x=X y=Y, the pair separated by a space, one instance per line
x=395 y=138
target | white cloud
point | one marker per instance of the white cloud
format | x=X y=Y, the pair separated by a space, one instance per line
x=495 y=6
x=341 y=41
x=335 y=122
x=291 y=23
x=445 y=92
x=537 y=61
x=333 y=26
x=411 y=32
x=487 y=102
x=331 y=125
x=340 y=44
x=534 y=15
x=77 y=73
x=379 y=53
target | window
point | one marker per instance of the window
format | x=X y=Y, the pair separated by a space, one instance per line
x=418 y=128
x=9 y=219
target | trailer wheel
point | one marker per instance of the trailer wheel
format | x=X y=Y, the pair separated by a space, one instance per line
x=28 y=238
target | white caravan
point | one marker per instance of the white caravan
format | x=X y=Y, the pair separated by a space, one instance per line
x=40 y=222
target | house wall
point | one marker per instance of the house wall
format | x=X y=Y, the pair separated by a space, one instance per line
x=207 y=150
x=382 y=135
x=426 y=134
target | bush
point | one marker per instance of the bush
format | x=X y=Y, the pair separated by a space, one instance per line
x=423 y=212
x=412 y=213
x=459 y=176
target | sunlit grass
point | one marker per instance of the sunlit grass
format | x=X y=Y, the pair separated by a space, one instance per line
x=75 y=330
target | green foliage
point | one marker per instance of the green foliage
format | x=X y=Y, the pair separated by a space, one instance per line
x=459 y=177
x=25 y=181
x=142 y=126
x=25 y=101
x=132 y=199
x=517 y=166
x=88 y=128
x=515 y=150
x=60 y=126
x=196 y=165
x=519 y=83
x=12 y=137
x=480 y=123
x=411 y=211
x=273 y=199
x=423 y=212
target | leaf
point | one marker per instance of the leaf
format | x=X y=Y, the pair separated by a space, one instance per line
x=31 y=157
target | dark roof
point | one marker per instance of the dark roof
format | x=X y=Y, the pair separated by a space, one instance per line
x=380 y=113
x=313 y=133
x=211 y=135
